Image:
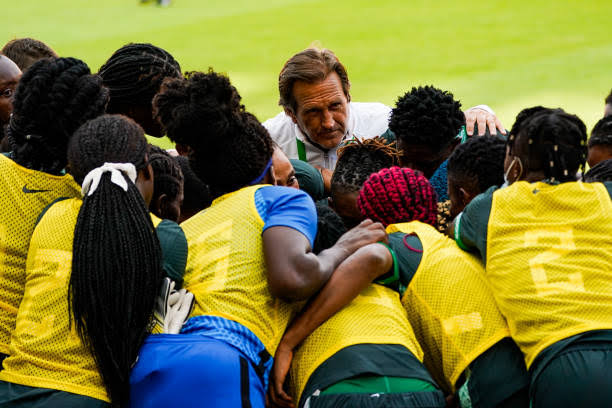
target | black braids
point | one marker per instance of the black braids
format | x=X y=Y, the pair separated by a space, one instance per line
x=53 y=98
x=329 y=228
x=134 y=74
x=360 y=158
x=479 y=162
x=521 y=118
x=555 y=143
x=116 y=263
x=601 y=172
x=230 y=148
x=602 y=132
x=168 y=177
x=427 y=116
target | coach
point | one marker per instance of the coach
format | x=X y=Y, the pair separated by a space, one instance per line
x=318 y=112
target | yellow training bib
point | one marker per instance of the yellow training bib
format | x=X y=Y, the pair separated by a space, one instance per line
x=549 y=259
x=449 y=305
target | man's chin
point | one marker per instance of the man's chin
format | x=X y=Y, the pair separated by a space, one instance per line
x=328 y=142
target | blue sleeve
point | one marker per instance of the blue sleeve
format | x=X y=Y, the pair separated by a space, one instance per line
x=287 y=207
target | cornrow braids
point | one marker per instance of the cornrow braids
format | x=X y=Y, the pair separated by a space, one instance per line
x=196 y=195
x=520 y=120
x=601 y=172
x=168 y=177
x=602 y=132
x=360 y=158
x=329 y=228
x=26 y=51
x=398 y=195
x=53 y=98
x=116 y=263
x=552 y=141
x=134 y=74
x=230 y=148
x=479 y=162
x=427 y=116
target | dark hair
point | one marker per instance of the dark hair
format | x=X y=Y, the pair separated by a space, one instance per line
x=230 y=148
x=601 y=172
x=330 y=228
x=358 y=159
x=427 y=116
x=602 y=132
x=168 y=177
x=552 y=141
x=26 y=51
x=310 y=66
x=134 y=74
x=522 y=117
x=116 y=263
x=398 y=195
x=54 y=97
x=479 y=161
x=608 y=99
x=196 y=195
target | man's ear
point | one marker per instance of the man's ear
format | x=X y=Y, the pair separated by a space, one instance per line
x=290 y=113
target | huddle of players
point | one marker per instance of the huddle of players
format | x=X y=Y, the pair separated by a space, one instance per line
x=78 y=297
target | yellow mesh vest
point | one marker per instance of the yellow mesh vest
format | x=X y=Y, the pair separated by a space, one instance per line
x=226 y=270
x=549 y=259
x=376 y=316
x=449 y=305
x=24 y=193
x=46 y=351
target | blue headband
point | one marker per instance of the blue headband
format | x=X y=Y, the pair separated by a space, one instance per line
x=263 y=174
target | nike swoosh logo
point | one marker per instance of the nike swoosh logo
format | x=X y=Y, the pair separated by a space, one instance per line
x=28 y=191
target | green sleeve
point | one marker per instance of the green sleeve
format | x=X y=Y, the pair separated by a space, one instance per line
x=471 y=225
x=406 y=260
x=388 y=136
x=608 y=185
x=174 y=249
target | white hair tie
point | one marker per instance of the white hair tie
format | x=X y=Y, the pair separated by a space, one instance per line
x=117 y=170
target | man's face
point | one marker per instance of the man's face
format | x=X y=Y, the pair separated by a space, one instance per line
x=321 y=110
x=9 y=78
x=283 y=170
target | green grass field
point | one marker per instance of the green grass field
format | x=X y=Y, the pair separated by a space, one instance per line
x=507 y=54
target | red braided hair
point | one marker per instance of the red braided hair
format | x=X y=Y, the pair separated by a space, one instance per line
x=398 y=195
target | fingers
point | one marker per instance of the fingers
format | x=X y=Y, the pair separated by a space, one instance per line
x=481 y=120
x=470 y=119
x=500 y=126
x=491 y=125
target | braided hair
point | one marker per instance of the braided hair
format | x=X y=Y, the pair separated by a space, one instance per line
x=427 y=116
x=53 y=98
x=196 y=195
x=601 y=172
x=479 y=163
x=134 y=74
x=230 y=148
x=168 y=178
x=329 y=228
x=398 y=195
x=26 y=51
x=551 y=141
x=602 y=133
x=357 y=160
x=116 y=262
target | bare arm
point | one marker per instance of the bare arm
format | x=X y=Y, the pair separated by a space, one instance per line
x=295 y=272
x=352 y=276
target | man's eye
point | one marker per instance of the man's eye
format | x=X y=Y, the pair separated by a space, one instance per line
x=291 y=181
x=7 y=93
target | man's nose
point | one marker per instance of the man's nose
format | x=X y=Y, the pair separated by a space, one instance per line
x=328 y=120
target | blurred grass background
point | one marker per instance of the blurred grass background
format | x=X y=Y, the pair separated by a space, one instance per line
x=509 y=55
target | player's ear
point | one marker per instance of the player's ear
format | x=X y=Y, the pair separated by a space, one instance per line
x=159 y=206
x=466 y=196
